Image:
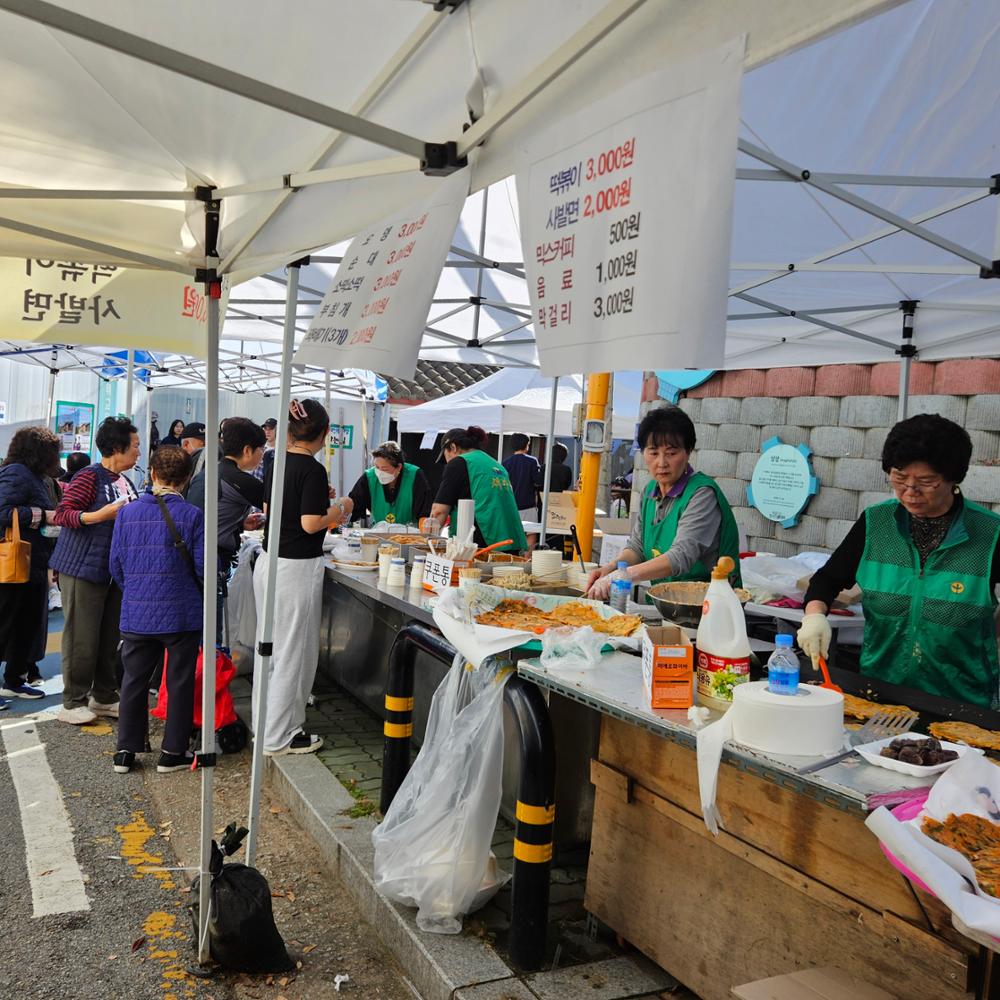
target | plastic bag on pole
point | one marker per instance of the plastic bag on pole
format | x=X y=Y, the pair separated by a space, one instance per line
x=432 y=850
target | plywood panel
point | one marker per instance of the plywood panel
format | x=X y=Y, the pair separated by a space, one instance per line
x=824 y=842
x=715 y=919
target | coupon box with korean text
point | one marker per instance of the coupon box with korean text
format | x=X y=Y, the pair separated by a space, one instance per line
x=668 y=667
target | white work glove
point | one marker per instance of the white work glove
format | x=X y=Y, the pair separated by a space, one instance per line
x=814 y=637
x=600 y=588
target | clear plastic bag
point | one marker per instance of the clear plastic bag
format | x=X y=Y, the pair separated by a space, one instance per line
x=571 y=648
x=432 y=850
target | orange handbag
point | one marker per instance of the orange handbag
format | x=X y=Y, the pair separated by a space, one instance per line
x=15 y=555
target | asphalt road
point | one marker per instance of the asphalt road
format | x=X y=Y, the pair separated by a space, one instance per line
x=133 y=938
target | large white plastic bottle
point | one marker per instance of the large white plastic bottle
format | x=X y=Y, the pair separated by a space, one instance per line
x=722 y=644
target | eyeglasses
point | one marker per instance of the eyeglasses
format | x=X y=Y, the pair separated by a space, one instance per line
x=924 y=485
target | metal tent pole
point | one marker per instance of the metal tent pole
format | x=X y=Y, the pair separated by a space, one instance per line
x=907 y=352
x=128 y=384
x=53 y=372
x=207 y=755
x=340 y=454
x=262 y=661
x=326 y=444
x=548 y=457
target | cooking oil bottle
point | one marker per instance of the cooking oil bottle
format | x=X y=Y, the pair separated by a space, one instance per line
x=723 y=650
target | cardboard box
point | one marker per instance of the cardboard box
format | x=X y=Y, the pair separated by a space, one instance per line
x=562 y=511
x=811 y=984
x=668 y=667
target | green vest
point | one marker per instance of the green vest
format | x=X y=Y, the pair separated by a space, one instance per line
x=400 y=512
x=496 y=509
x=931 y=629
x=657 y=539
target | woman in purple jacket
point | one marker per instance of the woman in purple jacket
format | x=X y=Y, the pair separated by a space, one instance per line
x=160 y=576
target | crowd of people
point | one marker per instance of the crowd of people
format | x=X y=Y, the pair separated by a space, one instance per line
x=124 y=558
x=128 y=576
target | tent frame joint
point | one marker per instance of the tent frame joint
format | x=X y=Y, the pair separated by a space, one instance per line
x=993 y=271
x=441 y=159
x=995 y=186
x=445 y=5
x=301 y=262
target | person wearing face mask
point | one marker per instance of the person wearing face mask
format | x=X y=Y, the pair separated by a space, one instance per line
x=391 y=490
x=928 y=564
x=684 y=523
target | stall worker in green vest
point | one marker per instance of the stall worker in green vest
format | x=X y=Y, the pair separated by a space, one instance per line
x=928 y=563
x=391 y=490
x=472 y=474
x=684 y=523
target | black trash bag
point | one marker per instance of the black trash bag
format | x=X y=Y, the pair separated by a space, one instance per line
x=241 y=930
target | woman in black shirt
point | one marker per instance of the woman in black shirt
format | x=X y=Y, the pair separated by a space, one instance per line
x=308 y=512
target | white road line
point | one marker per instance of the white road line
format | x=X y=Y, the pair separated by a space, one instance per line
x=56 y=880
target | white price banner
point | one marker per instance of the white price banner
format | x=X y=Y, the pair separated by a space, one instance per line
x=437 y=573
x=374 y=312
x=626 y=212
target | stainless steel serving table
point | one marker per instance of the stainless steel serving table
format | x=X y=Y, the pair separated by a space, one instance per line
x=614 y=688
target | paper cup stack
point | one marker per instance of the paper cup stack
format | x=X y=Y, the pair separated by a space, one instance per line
x=548 y=565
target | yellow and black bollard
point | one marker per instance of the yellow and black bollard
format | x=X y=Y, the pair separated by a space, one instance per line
x=398 y=727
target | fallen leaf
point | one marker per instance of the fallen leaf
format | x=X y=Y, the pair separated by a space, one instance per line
x=283 y=981
x=276 y=810
x=290 y=896
x=298 y=965
x=308 y=948
x=277 y=894
x=111 y=958
x=137 y=944
x=270 y=980
x=48 y=871
x=186 y=888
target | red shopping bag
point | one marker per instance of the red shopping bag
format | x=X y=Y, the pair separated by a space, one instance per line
x=225 y=713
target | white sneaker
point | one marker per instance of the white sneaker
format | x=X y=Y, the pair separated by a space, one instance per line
x=108 y=711
x=55 y=599
x=79 y=716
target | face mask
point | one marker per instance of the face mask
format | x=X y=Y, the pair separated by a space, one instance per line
x=384 y=477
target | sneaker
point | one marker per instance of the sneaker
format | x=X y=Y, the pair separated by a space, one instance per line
x=21 y=691
x=78 y=716
x=123 y=761
x=99 y=708
x=174 y=762
x=4 y=704
x=301 y=743
x=55 y=599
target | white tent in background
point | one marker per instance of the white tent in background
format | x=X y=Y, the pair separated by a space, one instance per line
x=520 y=400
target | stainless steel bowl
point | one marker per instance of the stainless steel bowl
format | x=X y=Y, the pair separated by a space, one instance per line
x=681 y=603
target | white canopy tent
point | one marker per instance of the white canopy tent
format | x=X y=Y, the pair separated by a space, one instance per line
x=141 y=135
x=521 y=400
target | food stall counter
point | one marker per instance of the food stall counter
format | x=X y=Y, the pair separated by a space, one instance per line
x=792 y=880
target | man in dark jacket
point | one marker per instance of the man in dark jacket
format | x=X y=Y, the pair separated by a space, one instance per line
x=239 y=493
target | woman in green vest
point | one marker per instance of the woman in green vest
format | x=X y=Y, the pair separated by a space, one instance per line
x=928 y=563
x=391 y=490
x=472 y=474
x=684 y=523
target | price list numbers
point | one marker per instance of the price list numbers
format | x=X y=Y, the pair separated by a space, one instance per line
x=622 y=264
x=390 y=246
x=582 y=192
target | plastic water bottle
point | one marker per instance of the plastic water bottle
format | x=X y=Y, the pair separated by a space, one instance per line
x=783 y=667
x=621 y=587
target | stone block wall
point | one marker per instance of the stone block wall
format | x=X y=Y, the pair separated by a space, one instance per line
x=843 y=413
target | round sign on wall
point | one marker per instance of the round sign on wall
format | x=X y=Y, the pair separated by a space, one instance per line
x=782 y=481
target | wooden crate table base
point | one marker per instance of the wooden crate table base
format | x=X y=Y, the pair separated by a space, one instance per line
x=789 y=884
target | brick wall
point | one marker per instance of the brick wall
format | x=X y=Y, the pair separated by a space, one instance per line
x=843 y=413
